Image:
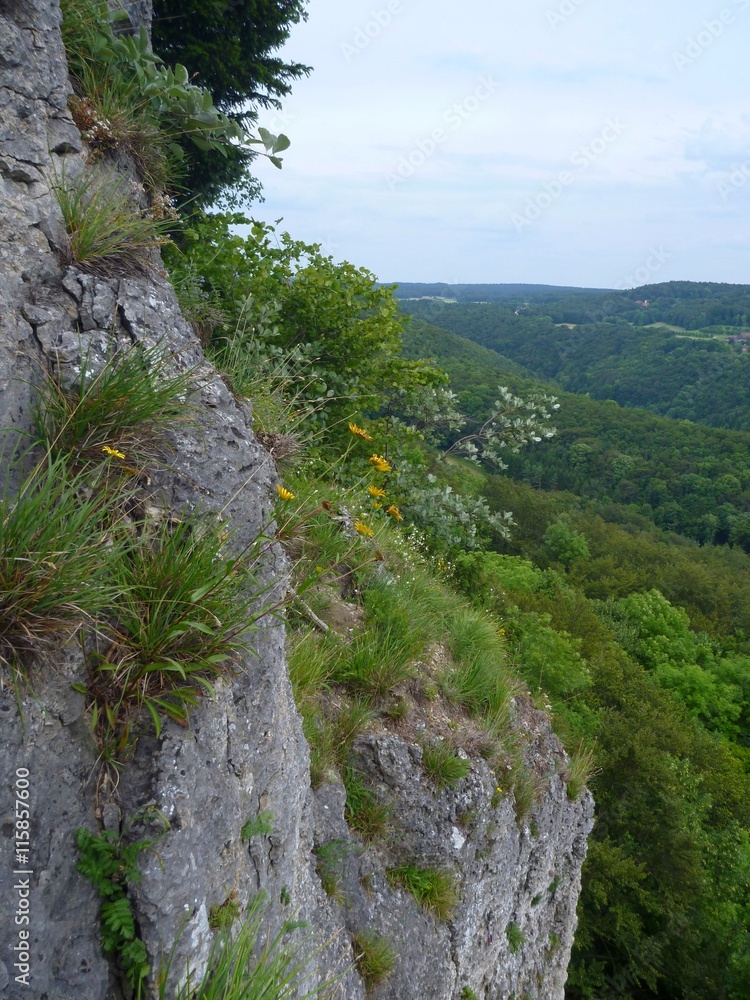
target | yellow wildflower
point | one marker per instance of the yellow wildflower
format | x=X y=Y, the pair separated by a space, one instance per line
x=395 y=512
x=363 y=529
x=375 y=491
x=113 y=452
x=377 y=505
x=499 y=789
x=284 y=494
x=359 y=432
x=380 y=463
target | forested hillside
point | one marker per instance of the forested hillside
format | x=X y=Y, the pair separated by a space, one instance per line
x=625 y=589
x=635 y=356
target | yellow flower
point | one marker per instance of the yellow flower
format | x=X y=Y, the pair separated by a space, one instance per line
x=284 y=494
x=359 y=432
x=364 y=529
x=380 y=463
x=395 y=512
x=113 y=452
x=499 y=789
x=375 y=491
x=376 y=505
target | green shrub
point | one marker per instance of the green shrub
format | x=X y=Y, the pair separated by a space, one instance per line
x=373 y=956
x=433 y=888
x=443 y=765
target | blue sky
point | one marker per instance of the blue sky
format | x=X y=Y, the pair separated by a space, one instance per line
x=603 y=143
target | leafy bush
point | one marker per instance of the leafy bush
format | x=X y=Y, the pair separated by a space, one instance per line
x=157 y=96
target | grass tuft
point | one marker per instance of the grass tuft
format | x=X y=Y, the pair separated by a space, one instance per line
x=433 y=888
x=107 y=233
x=182 y=618
x=443 y=765
x=124 y=407
x=329 y=867
x=364 y=813
x=581 y=768
x=250 y=965
x=54 y=556
x=373 y=956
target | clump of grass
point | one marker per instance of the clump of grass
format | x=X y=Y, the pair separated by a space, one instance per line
x=478 y=679
x=527 y=785
x=310 y=666
x=54 y=557
x=249 y=965
x=258 y=826
x=331 y=736
x=467 y=993
x=581 y=768
x=515 y=937
x=364 y=813
x=107 y=233
x=223 y=915
x=374 y=957
x=123 y=408
x=443 y=765
x=329 y=867
x=376 y=662
x=433 y=888
x=182 y=618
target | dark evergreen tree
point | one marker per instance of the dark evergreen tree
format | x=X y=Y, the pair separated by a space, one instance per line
x=228 y=46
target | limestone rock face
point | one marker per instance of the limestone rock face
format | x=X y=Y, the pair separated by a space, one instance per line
x=244 y=753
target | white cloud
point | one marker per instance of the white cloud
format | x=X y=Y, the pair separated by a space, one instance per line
x=413 y=67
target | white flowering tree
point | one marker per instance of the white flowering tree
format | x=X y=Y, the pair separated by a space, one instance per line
x=512 y=423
